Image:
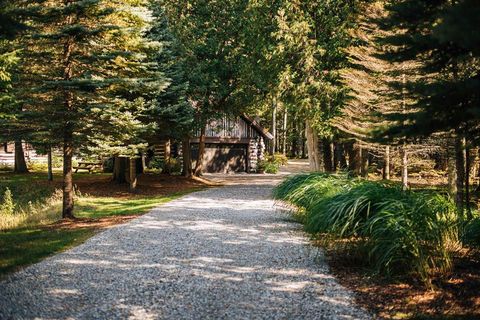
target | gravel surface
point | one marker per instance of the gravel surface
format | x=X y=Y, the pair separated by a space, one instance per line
x=223 y=253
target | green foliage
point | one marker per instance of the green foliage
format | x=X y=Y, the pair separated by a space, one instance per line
x=471 y=234
x=444 y=85
x=403 y=232
x=279 y=158
x=171 y=166
x=311 y=60
x=22 y=247
x=270 y=165
x=7 y=207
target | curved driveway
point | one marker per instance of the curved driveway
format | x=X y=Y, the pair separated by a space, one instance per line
x=223 y=253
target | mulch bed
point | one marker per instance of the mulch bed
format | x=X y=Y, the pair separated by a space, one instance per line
x=453 y=296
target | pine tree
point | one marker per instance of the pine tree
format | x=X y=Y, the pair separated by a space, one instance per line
x=207 y=32
x=311 y=39
x=90 y=60
x=13 y=24
x=445 y=86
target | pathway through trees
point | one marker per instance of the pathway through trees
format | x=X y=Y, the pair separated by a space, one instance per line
x=221 y=253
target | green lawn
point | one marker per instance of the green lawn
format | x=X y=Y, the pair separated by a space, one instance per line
x=35 y=239
x=22 y=247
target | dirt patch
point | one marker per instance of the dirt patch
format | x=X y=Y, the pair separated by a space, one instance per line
x=149 y=184
x=90 y=223
x=453 y=296
x=102 y=186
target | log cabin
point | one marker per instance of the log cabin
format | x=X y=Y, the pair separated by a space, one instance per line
x=232 y=144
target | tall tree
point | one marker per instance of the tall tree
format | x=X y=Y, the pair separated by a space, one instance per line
x=445 y=85
x=208 y=33
x=311 y=39
x=89 y=57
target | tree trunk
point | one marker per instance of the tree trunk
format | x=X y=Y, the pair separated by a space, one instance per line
x=304 y=142
x=312 y=147
x=187 y=158
x=201 y=152
x=285 y=119
x=451 y=167
x=119 y=170
x=365 y=162
x=50 y=169
x=328 y=155
x=404 y=155
x=132 y=172
x=355 y=158
x=337 y=156
x=68 y=192
x=386 y=163
x=460 y=169
x=274 y=126
x=468 y=166
x=20 y=163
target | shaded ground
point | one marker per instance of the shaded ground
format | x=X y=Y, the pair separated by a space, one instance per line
x=455 y=296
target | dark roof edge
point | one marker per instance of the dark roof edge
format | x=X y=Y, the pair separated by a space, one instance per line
x=260 y=129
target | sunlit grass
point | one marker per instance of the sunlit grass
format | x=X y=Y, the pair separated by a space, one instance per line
x=28 y=235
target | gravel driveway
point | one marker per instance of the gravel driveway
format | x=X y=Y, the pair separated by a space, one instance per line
x=223 y=253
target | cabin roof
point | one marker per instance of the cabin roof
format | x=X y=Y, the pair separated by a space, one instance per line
x=261 y=130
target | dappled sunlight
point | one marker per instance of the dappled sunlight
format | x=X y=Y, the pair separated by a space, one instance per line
x=230 y=253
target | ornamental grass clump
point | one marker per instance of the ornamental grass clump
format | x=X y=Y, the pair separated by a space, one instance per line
x=305 y=190
x=403 y=232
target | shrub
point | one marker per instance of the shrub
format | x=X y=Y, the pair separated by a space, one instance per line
x=471 y=235
x=403 y=232
x=279 y=158
x=171 y=166
x=268 y=166
x=37 y=166
x=156 y=164
x=305 y=190
x=7 y=206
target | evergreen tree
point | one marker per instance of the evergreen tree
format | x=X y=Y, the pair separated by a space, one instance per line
x=444 y=86
x=90 y=59
x=13 y=24
x=207 y=32
x=311 y=39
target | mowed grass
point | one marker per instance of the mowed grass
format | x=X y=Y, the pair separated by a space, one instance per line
x=40 y=233
x=21 y=247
